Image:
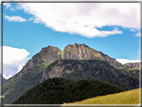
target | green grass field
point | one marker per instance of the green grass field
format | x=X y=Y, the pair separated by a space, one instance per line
x=127 y=97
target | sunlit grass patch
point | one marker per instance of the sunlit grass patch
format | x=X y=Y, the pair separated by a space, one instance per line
x=127 y=97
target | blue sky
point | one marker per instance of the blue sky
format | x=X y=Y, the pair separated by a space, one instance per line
x=27 y=28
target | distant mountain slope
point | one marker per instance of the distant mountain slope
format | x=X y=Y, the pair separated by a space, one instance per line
x=131 y=72
x=61 y=90
x=127 y=97
x=132 y=69
x=132 y=65
x=89 y=69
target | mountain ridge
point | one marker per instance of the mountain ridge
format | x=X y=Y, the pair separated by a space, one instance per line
x=76 y=51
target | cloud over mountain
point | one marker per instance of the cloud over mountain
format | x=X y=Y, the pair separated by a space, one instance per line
x=13 y=60
x=124 y=61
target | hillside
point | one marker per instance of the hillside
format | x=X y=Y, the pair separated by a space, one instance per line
x=132 y=69
x=61 y=90
x=25 y=79
x=38 y=69
x=89 y=69
x=127 y=97
x=132 y=65
x=131 y=72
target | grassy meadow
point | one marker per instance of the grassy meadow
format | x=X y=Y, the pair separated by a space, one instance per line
x=127 y=97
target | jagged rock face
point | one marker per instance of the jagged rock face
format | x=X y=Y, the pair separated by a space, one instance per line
x=78 y=51
x=110 y=60
x=82 y=51
x=131 y=65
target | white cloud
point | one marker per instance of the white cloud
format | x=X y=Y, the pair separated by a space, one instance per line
x=20 y=67
x=83 y=18
x=124 y=61
x=14 y=18
x=7 y=77
x=13 y=60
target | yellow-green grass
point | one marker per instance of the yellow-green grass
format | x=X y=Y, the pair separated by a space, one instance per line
x=127 y=97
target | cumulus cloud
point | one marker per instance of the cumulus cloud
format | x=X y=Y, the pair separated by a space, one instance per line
x=13 y=60
x=124 y=61
x=83 y=18
x=14 y=18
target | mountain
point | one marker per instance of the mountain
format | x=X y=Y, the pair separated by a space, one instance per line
x=38 y=69
x=46 y=56
x=131 y=69
x=77 y=51
x=61 y=90
x=132 y=65
x=131 y=72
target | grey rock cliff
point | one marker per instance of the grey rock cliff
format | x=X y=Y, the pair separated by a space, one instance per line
x=82 y=51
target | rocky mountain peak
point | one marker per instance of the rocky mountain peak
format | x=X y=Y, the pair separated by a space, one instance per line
x=75 y=44
x=77 y=51
x=84 y=52
x=46 y=55
x=49 y=49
